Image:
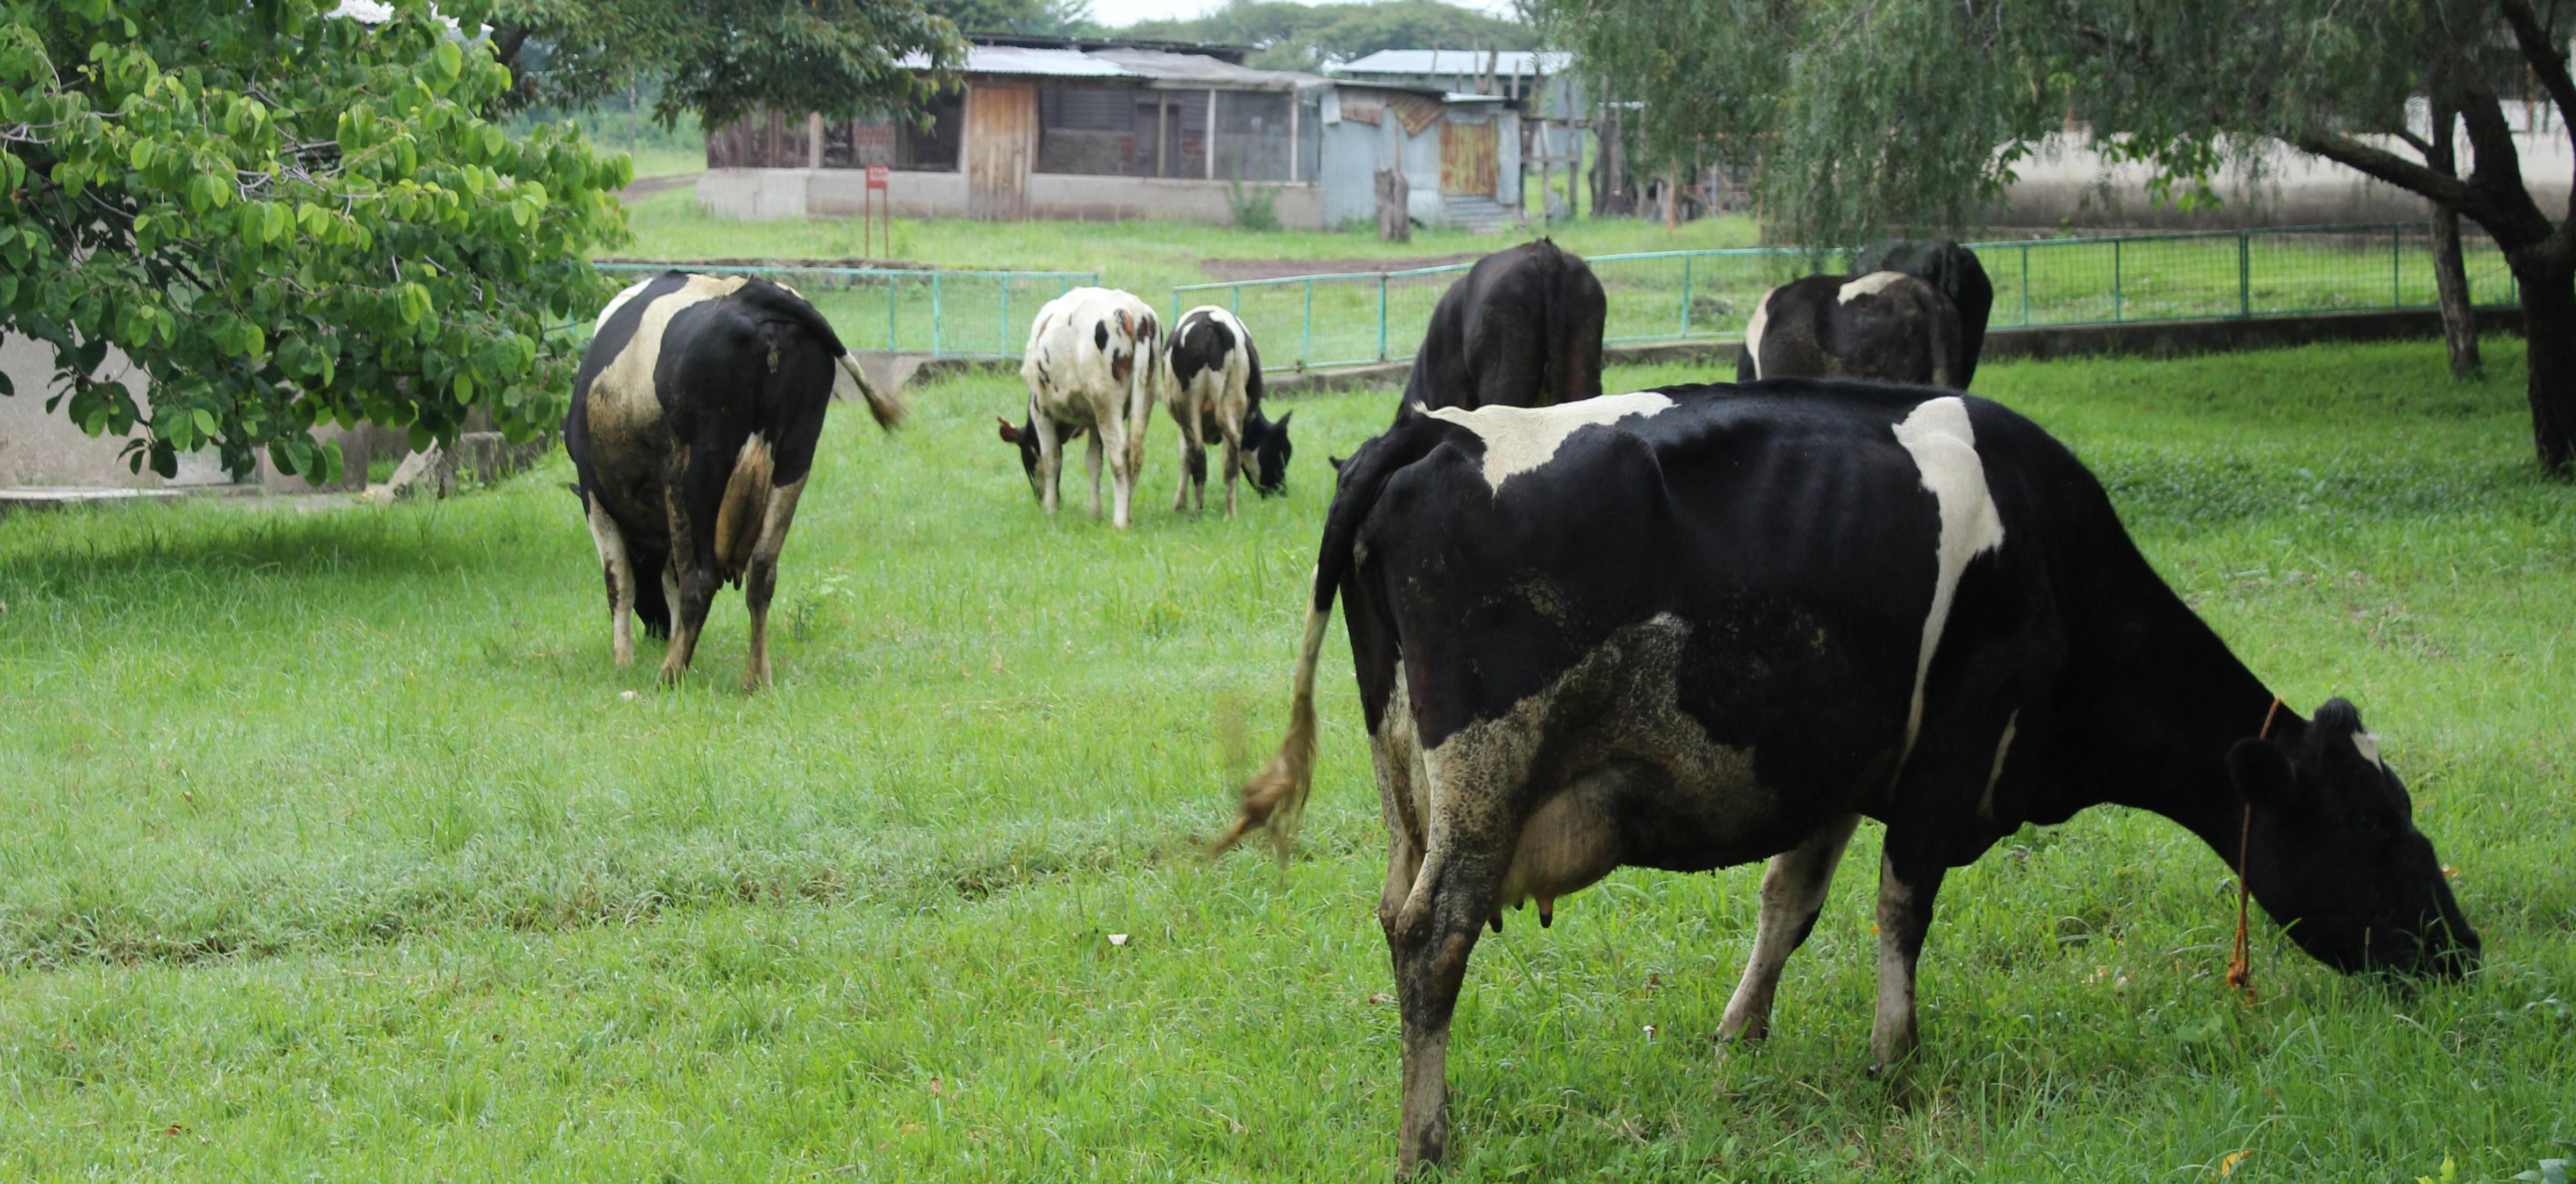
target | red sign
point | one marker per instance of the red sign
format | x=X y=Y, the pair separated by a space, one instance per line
x=877 y=175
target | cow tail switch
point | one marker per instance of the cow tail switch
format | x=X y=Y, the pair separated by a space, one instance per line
x=888 y=412
x=1278 y=794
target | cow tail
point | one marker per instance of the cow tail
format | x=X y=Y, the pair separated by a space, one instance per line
x=888 y=412
x=1277 y=795
x=745 y=508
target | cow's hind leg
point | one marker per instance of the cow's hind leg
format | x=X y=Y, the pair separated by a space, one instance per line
x=618 y=569
x=1908 y=880
x=763 y=577
x=1091 y=466
x=1793 y=892
x=1193 y=458
x=693 y=568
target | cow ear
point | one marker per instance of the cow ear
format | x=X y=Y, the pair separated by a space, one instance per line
x=1280 y=425
x=1334 y=461
x=2263 y=773
x=1010 y=435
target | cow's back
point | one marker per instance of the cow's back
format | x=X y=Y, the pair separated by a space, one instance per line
x=1521 y=329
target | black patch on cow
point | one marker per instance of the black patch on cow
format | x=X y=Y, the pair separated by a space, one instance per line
x=1521 y=329
x=1200 y=344
x=1906 y=331
x=1100 y=335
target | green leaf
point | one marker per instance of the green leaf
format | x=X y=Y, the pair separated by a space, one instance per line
x=205 y=422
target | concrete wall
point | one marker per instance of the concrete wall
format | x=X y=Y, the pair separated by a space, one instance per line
x=762 y=194
x=2069 y=185
x=42 y=448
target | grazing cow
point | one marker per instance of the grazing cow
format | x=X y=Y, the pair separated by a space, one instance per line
x=1953 y=271
x=1212 y=385
x=693 y=422
x=1521 y=329
x=1090 y=366
x=1885 y=325
x=1700 y=626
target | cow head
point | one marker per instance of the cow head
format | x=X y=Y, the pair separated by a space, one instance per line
x=2334 y=855
x=1024 y=436
x=1267 y=441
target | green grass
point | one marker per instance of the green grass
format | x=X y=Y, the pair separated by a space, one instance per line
x=337 y=848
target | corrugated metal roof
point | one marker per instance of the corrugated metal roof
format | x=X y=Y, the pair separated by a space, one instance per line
x=1013 y=59
x=1456 y=62
x=1201 y=70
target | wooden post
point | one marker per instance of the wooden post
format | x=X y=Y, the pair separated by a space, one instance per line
x=1394 y=221
x=1208 y=142
x=1162 y=134
x=1294 y=102
x=813 y=139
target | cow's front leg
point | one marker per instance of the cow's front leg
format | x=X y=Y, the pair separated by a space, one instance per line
x=1907 y=882
x=1050 y=459
x=618 y=569
x=1793 y=892
x=763 y=577
x=1233 y=461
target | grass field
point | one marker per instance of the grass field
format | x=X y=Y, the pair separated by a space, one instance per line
x=338 y=849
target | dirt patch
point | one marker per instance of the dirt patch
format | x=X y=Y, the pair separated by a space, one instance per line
x=1271 y=269
x=642 y=187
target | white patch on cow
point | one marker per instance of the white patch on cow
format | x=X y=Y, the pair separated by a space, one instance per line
x=1944 y=446
x=2368 y=746
x=619 y=301
x=1868 y=285
x=1986 y=804
x=1753 y=331
x=1519 y=439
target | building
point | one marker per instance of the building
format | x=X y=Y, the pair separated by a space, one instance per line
x=1052 y=128
x=1550 y=111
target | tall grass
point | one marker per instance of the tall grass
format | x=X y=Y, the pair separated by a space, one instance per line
x=335 y=847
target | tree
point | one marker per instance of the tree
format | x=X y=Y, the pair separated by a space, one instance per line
x=1300 y=36
x=726 y=58
x=1867 y=115
x=285 y=218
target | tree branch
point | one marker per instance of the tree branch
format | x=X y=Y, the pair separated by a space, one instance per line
x=2415 y=142
x=2394 y=169
x=2497 y=172
x=2547 y=58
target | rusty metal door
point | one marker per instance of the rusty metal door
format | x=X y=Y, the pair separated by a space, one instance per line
x=1001 y=140
x=1467 y=163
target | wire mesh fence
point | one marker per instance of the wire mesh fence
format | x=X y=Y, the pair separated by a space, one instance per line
x=1311 y=322
x=948 y=314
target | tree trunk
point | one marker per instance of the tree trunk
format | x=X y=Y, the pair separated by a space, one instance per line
x=2450 y=275
x=2549 y=331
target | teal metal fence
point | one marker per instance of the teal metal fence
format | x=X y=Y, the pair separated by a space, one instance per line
x=948 y=314
x=1316 y=321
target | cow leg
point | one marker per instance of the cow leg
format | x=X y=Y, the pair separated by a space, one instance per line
x=1050 y=459
x=1122 y=472
x=1793 y=892
x=1435 y=931
x=1907 y=881
x=619 y=570
x=1233 y=430
x=1091 y=465
x=764 y=577
x=1193 y=459
x=694 y=562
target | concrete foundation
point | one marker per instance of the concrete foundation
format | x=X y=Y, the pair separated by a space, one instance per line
x=766 y=194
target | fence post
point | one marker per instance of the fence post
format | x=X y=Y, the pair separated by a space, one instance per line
x=1381 y=316
x=2396 y=244
x=890 y=283
x=2115 y=280
x=1306 y=343
x=2244 y=274
x=1004 y=341
x=1686 y=270
x=934 y=314
x=2025 y=285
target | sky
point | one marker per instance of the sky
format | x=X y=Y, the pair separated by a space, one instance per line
x=1122 y=12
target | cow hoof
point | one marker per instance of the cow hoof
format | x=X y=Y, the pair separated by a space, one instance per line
x=625 y=660
x=671 y=675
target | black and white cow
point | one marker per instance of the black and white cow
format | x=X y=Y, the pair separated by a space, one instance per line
x=1886 y=325
x=1954 y=272
x=1212 y=386
x=1091 y=365
x=1700 y=626
x=1521 y=329
x=694 y=418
